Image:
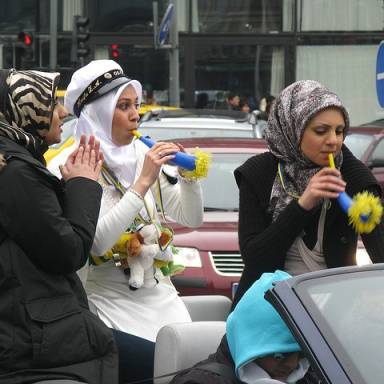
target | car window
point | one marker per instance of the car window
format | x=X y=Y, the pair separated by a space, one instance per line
x=220 y=190
x=378 y=153
x=350 y=314
x=358 y=143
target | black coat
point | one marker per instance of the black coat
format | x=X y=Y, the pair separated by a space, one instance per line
x=201 y=373
x=264 y=244
x=198 y=374
x=46 y=232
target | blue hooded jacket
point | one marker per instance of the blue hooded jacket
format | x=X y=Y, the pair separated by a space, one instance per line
x=254 y=328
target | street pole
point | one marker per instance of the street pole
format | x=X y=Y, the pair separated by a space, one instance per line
x=174 y=82
x=53 y=35
x=155 y=10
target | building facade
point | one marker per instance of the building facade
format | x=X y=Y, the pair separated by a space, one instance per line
x=252 y=47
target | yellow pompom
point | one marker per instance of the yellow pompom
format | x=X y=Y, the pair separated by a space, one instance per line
x=366 y=204
x=203 y=161
x=121 y=244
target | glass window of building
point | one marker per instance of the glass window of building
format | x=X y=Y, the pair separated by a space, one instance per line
x=123 y=15
x=250 y=71
x=241 y=16
x=349 y=71
x=340 y=15
x=145 y=64
x=17 y=15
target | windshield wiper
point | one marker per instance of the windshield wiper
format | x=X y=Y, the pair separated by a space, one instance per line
x=211 y=209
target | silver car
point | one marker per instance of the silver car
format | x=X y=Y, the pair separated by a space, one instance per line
x=198 y=123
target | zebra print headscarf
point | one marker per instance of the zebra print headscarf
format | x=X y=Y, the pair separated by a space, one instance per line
x=290 y=113
x=27 y=101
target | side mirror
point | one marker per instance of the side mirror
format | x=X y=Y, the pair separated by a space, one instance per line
x=257 y=127
x=254 y=117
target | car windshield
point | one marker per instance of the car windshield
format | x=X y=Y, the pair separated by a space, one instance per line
x=358 y=143
x=350 y=314
x=219 y=188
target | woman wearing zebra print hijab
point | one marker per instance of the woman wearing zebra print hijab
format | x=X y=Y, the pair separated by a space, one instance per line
x=46 y=231
x=28 y=104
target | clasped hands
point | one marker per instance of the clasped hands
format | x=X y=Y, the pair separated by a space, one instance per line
x=85 y=161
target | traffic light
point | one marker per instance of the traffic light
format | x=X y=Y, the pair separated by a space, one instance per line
x=115 y=51
x=26 y=38
x=24 y=50
x=80 y=36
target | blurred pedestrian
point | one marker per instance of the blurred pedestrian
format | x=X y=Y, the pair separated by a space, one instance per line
x=265 y=106
x=233 y=101
x=202 y=100
x=150 y=98
x=244 y=105
x=230 y=103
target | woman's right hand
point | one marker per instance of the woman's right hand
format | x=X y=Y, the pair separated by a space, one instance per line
x=160 y=154
x=325 y=184
x=85 y=161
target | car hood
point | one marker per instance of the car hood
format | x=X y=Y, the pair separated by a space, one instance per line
x=217 y=233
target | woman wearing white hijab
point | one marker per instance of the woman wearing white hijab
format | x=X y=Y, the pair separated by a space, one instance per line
x=106 y=103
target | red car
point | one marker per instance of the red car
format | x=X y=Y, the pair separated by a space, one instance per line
x=367 y=144
x=211 y=252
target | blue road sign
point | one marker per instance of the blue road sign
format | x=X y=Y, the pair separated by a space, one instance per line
x=380 y=74
x=165 y=25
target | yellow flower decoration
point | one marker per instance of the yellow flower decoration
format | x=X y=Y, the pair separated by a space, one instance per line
x=368 y=205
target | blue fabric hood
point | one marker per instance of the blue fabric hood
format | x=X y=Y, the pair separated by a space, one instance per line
x=254 y=328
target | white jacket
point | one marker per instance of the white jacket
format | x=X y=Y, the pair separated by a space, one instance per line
x=145 y=311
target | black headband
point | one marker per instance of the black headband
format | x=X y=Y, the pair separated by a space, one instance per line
x=99 y=87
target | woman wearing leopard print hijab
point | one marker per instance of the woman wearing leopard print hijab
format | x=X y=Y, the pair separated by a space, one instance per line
x=289 y=218
x=46 y=232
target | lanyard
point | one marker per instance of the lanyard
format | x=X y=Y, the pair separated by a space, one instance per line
x=294 y=195
x=166 y=233
x=111 y=179
x=280 y=173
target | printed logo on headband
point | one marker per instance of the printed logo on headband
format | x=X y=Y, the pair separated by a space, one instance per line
x=99 y=87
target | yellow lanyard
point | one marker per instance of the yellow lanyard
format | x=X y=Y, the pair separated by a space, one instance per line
x=166 y=236
x=111 y=179
x=280 y=173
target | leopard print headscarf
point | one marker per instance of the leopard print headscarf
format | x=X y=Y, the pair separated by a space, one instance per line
x=289 y=115
x=27 y=101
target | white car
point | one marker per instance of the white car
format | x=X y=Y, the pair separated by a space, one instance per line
x=198 y=123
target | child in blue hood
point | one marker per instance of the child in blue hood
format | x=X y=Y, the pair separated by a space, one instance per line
x=260 y=343
x=258 y=346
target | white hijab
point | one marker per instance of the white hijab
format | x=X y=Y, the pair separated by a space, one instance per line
x=96 y=119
